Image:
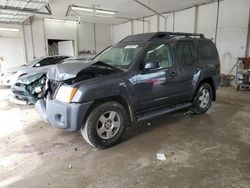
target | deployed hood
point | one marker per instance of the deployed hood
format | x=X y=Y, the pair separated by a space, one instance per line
x=29 y=78
x=69 y=71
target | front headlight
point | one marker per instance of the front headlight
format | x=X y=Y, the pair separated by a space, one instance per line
x=66 y=93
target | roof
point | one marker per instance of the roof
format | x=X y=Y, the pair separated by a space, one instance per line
x=146 y=37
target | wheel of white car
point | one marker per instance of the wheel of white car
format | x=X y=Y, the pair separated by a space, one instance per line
x=105 y=125
x=203 y=99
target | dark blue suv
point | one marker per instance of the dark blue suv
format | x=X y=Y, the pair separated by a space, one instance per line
x=142 y=77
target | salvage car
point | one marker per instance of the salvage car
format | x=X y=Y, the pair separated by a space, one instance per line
x=142 y=77
x=31 y=87
x=43 y=63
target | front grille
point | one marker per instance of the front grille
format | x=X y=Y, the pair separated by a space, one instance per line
x=18 y=92
x=52 y=88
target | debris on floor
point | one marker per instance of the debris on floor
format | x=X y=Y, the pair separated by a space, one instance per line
x=161 y=156
x=70 y=166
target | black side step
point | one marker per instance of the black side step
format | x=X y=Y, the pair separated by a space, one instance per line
x=152 y=114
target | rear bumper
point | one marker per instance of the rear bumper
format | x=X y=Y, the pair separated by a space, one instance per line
x=61 y=115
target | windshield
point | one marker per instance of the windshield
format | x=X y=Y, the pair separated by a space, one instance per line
x=120 y=56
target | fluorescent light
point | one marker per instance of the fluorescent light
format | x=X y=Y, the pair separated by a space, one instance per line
x=101 y=15
x=83 y=9
x=58 y=20
x=55 y=20
x=9 y=29
x=68 y=21
x=105 y=11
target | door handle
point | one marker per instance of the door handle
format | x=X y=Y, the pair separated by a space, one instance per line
x=173 y=74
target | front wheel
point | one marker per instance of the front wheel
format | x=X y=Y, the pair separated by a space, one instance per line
x=203 y=99
x=105 y=125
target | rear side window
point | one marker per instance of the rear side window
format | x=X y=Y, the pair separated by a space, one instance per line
x=186 y=52
x=206 y=50
x=50 y=61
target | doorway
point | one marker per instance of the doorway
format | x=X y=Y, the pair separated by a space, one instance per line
x=60 y=47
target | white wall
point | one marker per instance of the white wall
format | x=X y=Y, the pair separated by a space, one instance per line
x=206 y=22
x=12 y=47
x=185 y=21
x=232 y=28
x=28 y=42
x=122 y=30
x=153 y=23
x=170 y=22
x=38 y=38
x=87 y=39
x=86 y=36
x=138 y=26
x=232 y=32
x=103 y=38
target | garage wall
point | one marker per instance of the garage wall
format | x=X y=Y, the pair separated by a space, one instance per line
x=103 y=37
x=38 y=38
x=232 y=31
x=137 y=26
x=15 y=42
x=232 y=34
x=169 y=22
x=122 y=30
x=207 y=24
x=185 y=21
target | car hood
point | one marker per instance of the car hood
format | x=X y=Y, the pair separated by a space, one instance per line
x=80 y=69
x=21 y=68
x=31 y=77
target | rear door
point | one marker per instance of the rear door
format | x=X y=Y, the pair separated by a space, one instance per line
x=187 y=57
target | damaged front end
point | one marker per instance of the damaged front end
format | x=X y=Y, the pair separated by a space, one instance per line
x=30 y=88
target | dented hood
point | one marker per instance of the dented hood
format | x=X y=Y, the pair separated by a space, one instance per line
x=68 y=70
x=80 y=68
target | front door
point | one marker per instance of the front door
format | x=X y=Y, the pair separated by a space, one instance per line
x=161 y=86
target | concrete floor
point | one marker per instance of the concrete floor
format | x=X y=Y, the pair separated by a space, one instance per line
x=210 y=150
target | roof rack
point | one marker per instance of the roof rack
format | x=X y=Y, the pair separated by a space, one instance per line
x=158 y=35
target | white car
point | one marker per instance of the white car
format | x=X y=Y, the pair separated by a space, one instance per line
x=43 y=63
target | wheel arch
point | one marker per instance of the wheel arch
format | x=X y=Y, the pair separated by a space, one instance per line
x=210 y=81
x=118 y=99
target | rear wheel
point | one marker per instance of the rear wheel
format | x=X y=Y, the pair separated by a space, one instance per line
x=105 y=125
x=203 y=99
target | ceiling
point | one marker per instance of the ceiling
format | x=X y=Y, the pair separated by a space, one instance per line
x=124 y=8
x=17 y=11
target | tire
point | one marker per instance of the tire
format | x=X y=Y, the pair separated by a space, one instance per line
x=203 y=99
x=105 y=125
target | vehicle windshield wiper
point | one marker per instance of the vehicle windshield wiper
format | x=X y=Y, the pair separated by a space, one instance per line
x=108 y=65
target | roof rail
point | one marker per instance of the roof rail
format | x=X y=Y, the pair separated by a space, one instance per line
x=158 y=35
x=173 y=34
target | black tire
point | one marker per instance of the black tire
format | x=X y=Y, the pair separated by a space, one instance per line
x=89 y=130
x=198 y=106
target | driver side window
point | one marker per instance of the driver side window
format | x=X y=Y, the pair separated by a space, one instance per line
x=161 y=53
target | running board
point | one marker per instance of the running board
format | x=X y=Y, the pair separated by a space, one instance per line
x=152 y=114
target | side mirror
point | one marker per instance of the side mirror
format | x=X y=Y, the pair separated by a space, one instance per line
x=37 y=65
x=152 y=65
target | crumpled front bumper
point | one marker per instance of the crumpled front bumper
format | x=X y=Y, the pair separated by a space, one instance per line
x=61 y=115
x=22 y=94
